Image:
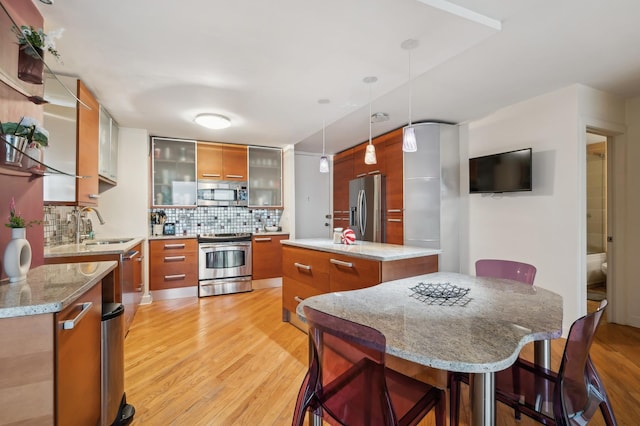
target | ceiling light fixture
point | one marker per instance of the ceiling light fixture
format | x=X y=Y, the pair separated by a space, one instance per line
x=324 y=161
x=409 y=143
x=370 y=152
x=213 y=121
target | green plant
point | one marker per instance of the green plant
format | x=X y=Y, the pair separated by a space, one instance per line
x=28 y=128
x=15 y=220
x=29 y=38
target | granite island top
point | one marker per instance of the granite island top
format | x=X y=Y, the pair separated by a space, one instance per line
x=50 y=288
x=87 y=249
x=483 y=335
x=363 y=249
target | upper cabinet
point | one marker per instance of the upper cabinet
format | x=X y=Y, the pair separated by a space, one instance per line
x=73 y=143
x=265 y=177
x=173 y=172
x=220 y=161
x=108 y=155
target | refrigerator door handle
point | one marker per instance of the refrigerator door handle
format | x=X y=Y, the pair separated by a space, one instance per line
x=362 y=205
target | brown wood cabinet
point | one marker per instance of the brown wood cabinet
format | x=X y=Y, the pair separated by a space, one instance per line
x=77 y=358
x=342 y=174
x=266 y=256
x=88 y=143
x=307 y=273
x=173 y=263
x=209 y=160
x=394 y=182
x=219 y=161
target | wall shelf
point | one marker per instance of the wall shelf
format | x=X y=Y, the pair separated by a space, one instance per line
x=12 y=170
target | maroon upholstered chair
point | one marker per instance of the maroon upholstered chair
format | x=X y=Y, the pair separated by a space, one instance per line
x=348 y=383
x=569 y=397
x=494 y=268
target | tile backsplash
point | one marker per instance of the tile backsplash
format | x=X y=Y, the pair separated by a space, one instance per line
x=59 y=221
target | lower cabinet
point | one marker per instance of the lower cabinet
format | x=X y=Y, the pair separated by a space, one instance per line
x=173 y=263
x=307 y=273
x=132 y=285
x=266 y=256
x=77 y=341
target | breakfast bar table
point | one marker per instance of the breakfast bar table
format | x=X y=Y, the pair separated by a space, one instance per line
x=433 y=320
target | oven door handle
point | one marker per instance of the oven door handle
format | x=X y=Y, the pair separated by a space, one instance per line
x=227 y=245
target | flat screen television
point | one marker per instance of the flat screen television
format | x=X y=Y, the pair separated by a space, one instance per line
x=503 y=172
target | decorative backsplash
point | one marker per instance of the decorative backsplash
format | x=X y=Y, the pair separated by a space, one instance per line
x=59 y=221
x=220 y=220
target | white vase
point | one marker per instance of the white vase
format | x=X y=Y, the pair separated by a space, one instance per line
x=17 y=256
x=36 y=153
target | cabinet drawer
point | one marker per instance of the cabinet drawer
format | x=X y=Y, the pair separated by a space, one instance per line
x=158 y=248
x=350 y=273
x=173 y=263
x=293 y=290
x=266 y=256
x=306 y=266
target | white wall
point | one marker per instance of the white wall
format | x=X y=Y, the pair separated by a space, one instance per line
x=631 y=204
x=125 y=207
x=544 y=227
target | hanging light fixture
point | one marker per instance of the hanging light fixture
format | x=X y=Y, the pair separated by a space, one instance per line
x=408 y=133
x=324 y=160
x=370 y=152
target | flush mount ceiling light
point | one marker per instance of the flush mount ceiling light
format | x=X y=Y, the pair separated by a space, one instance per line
x=213 y=121
x=324 y=161
x=409 y=133
x=379 y=117
x=370 y=152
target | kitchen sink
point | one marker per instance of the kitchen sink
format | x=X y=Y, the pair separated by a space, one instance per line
x=107 y=241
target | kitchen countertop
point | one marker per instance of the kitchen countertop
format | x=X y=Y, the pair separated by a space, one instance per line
x=363 y=249
x=50 y=288
x=83 y=249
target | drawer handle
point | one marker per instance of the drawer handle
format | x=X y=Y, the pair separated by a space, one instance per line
x=70 y=324
x=174 y=246
x=373 y=172
x=262 y=239
x=298 y=299
x=175 y=277
x=394 y=211
x=341 y=263
x=361 y=174
x=211 y=174
x=235 y=176
x=94 y=196
x=131 y=255
x=302 y=266
x=174 y=258
x=394 y=220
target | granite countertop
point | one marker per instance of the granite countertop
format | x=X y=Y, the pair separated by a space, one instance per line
x=84 y=249
x=363 y=249
x=484 y=335
x=50 y=288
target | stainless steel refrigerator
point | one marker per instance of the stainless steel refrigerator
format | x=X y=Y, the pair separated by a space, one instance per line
x=367 y=207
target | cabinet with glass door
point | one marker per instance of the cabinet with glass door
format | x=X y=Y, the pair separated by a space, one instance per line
x=174 y=172
x=265 y=177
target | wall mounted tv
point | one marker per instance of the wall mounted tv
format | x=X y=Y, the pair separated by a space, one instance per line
x=503 y=172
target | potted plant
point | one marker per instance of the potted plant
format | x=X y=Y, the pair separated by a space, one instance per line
x=24 y=136
x=32 y=44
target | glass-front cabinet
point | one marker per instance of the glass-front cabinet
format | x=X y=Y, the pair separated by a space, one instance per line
x=174 y=172
x=265 y=177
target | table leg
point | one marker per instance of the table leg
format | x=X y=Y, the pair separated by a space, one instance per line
x=542 y=357
x=483 y=401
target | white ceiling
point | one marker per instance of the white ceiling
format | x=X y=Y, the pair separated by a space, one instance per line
x=265 y=64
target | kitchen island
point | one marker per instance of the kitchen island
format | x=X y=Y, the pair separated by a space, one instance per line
x=315 y=266
x=50 y=327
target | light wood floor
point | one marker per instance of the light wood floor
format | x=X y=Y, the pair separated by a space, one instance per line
x=230 y=360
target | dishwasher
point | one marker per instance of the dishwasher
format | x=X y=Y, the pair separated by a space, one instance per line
x=114 y=411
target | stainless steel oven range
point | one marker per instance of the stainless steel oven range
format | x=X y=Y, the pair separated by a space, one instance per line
x=224 y=264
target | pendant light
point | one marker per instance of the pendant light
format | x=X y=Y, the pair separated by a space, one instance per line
x=408 y=133
x=324 y=161
x=370 y=152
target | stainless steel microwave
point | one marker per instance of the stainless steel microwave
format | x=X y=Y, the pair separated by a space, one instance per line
x=222 y=193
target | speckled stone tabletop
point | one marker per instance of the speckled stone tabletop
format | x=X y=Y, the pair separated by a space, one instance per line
x=484 y=335
x=50 y=288
x=363 y=249
x=88 y=249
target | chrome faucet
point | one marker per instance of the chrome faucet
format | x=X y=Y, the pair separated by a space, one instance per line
x=79 y=218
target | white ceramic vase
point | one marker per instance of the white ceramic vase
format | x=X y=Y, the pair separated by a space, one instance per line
x=17 y=256
x=34 y=152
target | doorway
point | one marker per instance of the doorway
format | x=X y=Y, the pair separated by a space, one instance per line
x=597 y=216
x=313 y=198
